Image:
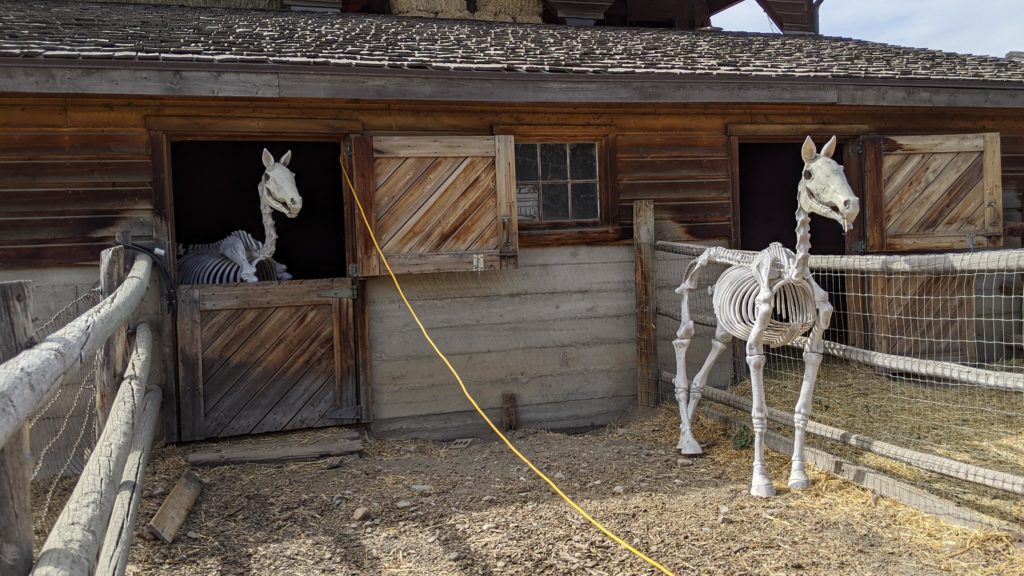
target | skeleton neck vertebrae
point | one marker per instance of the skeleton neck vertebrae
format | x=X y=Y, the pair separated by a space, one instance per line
x=771 y=301
x=239 y=257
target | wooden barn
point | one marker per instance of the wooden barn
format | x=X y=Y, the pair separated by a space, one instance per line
x=500 y=164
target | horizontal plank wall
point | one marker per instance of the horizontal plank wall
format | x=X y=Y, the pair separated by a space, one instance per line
x=64 y=194
x=558 y=333
x=687 y=176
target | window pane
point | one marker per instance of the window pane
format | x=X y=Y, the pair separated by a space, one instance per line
x=556 y=201
x=583 y=161
x=528 y=201
x=584 y=200
x=552 y=162
x=526 y=162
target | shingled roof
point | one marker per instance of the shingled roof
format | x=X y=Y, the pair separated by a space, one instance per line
x=130 y=35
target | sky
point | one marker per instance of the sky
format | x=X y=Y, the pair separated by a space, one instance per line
x=991 y=27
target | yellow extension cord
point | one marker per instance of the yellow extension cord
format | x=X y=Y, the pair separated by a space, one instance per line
x=465 y=392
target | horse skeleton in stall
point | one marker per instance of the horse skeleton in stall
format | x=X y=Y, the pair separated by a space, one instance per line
x=237 y=257
x=771 y=300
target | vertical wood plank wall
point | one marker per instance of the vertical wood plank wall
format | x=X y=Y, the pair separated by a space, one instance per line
x=73 y=171
x=1013 y=183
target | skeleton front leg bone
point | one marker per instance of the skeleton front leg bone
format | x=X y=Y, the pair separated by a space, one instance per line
x=688 y=445
x=233 y=249
x=812 y=360
x=761 y=484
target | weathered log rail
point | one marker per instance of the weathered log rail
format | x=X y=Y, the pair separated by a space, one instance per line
x=93 y=532
x=31 y=376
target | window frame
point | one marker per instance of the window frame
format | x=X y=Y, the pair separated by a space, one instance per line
x=560 y=232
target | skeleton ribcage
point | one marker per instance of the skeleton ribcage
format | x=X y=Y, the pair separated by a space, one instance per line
x=206 y=268
x=204 y=264
x=735 y=296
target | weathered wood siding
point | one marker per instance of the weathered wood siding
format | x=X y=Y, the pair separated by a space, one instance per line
x=65 y=193
x=558 y=333
x=1013 y=184
x=687 y=176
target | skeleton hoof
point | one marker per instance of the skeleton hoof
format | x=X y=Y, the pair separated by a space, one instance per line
x=248 y=277
x=688 y=445
x=762 y=490
x=798 y=480
x=284 y=276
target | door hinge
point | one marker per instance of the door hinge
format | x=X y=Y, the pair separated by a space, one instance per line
x=348 y=413
x=348 y=148
x=860 y=247
x=353 y=270
x=478 y=262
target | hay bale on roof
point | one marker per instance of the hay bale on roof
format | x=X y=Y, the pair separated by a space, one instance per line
x=431 y=8
x=523 y=11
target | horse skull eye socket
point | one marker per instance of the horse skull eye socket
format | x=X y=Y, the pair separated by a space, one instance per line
x=808 y=175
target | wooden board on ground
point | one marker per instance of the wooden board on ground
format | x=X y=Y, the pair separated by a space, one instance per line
x=345 y=443
x=172 y=513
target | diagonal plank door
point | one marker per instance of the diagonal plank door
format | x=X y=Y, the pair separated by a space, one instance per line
x=933 y=192
x=265 y=357
x=929 y=193
x=437 y=203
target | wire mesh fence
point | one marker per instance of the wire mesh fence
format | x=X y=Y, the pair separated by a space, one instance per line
x=63 y=430
x=924 y=352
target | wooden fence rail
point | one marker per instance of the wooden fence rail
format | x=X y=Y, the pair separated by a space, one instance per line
x=938 y=464
x=72 y=547
x=114 y=554
x=16 y=456
x=32 y=375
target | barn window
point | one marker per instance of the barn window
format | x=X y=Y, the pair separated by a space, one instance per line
x=557 y=181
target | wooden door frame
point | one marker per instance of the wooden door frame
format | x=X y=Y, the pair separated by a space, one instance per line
x=847 y=134
x=163 y=132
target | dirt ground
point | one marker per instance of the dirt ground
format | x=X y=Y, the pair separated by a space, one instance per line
x=439 y=510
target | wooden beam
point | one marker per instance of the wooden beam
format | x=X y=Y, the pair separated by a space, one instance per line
x=716 y=6
x=175 y=508
x=16 y=456
x=879 y=483
x=73 y=543
x=392 y=85
x=775 y=17
x=111 y=360
x=31 y=375
x=646 y=312
x=248 y=454
x=114 y=554
x=938 y=464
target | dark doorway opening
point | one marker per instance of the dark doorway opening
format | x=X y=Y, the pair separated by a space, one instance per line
x=214 y=187
x=769 y=174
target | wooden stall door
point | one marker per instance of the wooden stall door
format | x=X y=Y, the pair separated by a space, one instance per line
x=266 y=357
x=436 y=203
x=925 y=194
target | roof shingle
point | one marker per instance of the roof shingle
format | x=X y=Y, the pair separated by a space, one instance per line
x=56 y=29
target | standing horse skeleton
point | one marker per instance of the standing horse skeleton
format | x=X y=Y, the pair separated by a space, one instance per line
x=771 y=300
